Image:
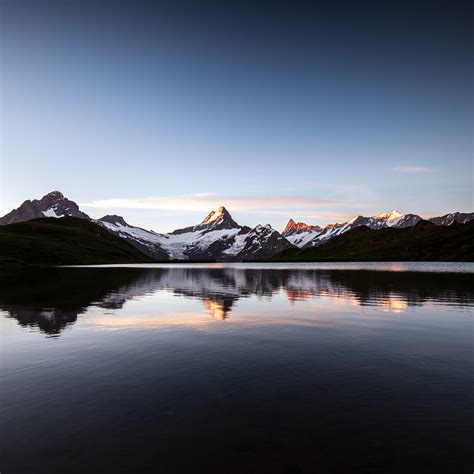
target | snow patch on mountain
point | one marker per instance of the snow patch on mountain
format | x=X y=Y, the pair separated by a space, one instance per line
x=142 y=234
x=51 y=212
x=147 y=241
x=179 y=245
x=237 y=245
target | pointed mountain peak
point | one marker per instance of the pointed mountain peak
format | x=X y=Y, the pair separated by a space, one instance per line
x=219 y=219
x=54 y=195
x=53 y=204
x=216 y=216
x=293 y=227
x=290 y=226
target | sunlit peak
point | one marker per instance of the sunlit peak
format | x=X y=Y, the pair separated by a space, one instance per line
x=216 y=215
x=390 y=215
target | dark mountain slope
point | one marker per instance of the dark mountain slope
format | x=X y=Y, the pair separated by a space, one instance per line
x=64 y=241
x=422 y=242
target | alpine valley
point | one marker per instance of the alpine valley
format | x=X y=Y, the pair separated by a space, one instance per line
x=218 y=237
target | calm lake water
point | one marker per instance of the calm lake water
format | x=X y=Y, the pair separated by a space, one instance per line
x=299 y=368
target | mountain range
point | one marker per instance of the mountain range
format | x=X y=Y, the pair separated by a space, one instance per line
x=219 y=236
x=306 y=236
x=423 y=241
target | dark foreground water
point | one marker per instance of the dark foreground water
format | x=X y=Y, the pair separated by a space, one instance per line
x=237 y=369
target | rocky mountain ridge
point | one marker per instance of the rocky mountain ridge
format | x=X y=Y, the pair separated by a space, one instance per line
x=53 y=204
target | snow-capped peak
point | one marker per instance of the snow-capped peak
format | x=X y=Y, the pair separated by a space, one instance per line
x=115 y=220
x=216 y=216
x=389 y=215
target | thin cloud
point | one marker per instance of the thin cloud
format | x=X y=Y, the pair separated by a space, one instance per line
x=308 y=215
x=204 y=202
x=411 y=169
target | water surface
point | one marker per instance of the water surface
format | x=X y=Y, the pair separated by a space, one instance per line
x=297 y=368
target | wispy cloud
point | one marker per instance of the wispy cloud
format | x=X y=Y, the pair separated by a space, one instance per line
x=411 y=169
x=308 y=215
x=204 y=202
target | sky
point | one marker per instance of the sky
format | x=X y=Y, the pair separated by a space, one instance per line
x=161 y=111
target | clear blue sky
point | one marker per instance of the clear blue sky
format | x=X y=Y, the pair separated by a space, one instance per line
x=274 y=110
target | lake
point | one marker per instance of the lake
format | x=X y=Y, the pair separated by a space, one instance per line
x=238 y=368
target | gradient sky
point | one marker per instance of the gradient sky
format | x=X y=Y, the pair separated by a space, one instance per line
x=160 y=111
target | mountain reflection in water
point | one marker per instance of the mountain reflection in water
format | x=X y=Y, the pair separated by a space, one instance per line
x=236 y=369
x=52 y=299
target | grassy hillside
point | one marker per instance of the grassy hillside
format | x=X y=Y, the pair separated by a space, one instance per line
x=64 y=241
x=423 y=242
